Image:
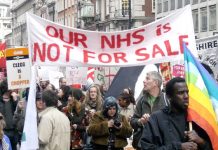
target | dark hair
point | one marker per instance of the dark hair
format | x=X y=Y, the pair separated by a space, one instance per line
x=66 y=91
x=170 y=85
x=61 y=79
x=77 y=94
x=50 y=98
x=38 y=95
x=129 y=97
x=3 y=87
x=110 y=102
x=207 y=67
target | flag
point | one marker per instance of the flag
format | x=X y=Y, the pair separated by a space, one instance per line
x=203 y=97
x=2 y=55
x=30 y=134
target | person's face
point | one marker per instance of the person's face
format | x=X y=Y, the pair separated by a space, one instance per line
x=122 y=102
x=71 y=100
x=149 y=83
x=63 y=82
x=93 y=93
x=40 y=105
x=43 y=84
x=60 y=93
x=111 y=111
x=180 y=98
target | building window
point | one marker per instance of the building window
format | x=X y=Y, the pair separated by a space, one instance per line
x=125 y=7
x=203 y=19
x=203 y=0
x=195 y=19
x=172 y=6
x=212 y=18
x=159 y=6
x=194 y=2
x=179 y=4
x=165 y=6
x=153 y=5
x=187 y=2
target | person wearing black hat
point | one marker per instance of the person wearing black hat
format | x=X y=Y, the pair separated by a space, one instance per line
x=40 y=104
x=108 y=128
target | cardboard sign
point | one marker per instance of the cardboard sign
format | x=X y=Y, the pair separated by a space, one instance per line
x=18 y=68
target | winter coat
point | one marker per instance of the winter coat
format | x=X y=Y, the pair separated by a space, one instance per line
x=98 y=129
x=53 y=130
x=166 y=130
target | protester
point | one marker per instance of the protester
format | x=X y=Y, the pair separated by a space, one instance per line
x=168 y=127
x=152 y=100
x=93 y=99
x=19 y=117
x=5 y=143
x=126 y=102
x=51 y=87
x=54 y=126
x=62 y=81
x=108 y=128
x=63 y=95
x=8 y=103
x=75 y=112
x=40 y=104
x=43 y=84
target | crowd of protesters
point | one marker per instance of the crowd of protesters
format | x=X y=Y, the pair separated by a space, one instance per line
x=72 y=118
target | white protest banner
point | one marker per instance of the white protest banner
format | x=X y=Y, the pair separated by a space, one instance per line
x=18 y=68
x=160 y=41
x=30 y=134
x=208 y=52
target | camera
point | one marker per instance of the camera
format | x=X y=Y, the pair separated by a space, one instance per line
x=117 y=123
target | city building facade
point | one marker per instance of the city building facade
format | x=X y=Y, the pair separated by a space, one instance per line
x=204 y=14
x=5 y=18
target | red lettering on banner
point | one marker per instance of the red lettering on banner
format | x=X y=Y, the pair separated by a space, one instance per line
x=115 y=41
x=73 y=37
x=52 y=31
x=157 y=50
x=68 y=52
x=52 y=52
x=168 y=48
x=126 y=40
x=105 y=40
x=41 y=53
x=142 y=52
x=107 y=58
x=163 y=29
x=181 y=41
x=166 y=27
x=104 y=57
x=120 y=56
x=136 y=35
x=51 y=49
x=87 y=56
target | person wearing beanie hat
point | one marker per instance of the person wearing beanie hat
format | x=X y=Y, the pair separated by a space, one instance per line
x=108 y=128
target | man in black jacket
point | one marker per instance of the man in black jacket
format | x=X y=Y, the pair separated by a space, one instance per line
x=167 y=129
x=152 y=100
